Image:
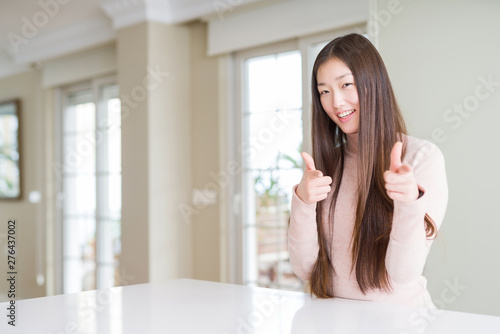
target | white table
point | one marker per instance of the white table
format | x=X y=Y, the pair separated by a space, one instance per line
x=192 y=306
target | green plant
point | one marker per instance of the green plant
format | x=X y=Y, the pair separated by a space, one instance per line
x=270 y=193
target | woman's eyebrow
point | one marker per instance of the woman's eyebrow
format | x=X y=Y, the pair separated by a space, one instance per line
x=336 y=79
x=343 y=75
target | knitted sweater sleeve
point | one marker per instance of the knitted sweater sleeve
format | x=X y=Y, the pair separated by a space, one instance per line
x=303 y=244
x=408 y=245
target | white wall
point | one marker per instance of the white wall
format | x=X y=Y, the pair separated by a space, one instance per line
x=439 y=54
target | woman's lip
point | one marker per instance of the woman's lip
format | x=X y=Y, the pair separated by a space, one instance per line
x=343 y=120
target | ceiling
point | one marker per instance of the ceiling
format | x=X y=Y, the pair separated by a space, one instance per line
x=33 y=32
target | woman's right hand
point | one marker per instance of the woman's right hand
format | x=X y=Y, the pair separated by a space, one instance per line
x=313 y=187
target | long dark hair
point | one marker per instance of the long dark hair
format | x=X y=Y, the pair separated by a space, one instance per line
x=381 y=125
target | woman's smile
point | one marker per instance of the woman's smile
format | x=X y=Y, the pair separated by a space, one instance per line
x=345 y=116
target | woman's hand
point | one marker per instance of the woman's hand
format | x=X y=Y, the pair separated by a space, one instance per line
x=313 y=187
x=400 y=181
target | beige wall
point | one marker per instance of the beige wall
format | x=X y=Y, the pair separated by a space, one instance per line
x=132 y=54
x=438 y=53
x=29 y=216
x=205 y=155
x=170 y=159
x=154 y=78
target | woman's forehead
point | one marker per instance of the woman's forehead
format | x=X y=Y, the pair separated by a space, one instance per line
x=332 y=70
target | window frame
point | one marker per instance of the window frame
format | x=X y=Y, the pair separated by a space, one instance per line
x=62 y=102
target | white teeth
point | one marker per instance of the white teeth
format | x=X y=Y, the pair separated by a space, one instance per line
x=345 y=114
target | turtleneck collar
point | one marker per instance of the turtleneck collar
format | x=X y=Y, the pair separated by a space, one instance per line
x=352 y=143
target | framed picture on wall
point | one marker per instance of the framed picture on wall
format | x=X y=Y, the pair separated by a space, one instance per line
x=10 y=168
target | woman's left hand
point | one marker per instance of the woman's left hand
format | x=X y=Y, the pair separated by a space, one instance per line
x=400 y=182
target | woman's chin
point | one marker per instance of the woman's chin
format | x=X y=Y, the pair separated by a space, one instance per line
x=350 y=131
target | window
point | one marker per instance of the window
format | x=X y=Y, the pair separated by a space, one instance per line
x=275 y=129
x=272 y=119
x=90 y=177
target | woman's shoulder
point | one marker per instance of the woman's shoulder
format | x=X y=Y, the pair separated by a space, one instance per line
x=418 y=149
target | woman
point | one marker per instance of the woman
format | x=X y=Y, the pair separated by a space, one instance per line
x=372 y=198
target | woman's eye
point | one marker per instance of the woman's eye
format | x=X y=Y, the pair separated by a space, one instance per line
x=323 y=92
x=346 y=84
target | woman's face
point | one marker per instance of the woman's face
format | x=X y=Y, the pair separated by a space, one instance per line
x=338 y=94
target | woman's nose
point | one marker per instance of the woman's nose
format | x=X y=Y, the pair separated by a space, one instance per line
x=338 y=101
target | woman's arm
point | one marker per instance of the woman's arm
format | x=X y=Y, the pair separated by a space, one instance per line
x=408 y=245
x=302 y=237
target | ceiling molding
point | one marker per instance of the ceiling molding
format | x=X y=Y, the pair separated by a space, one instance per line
x=101 y=27
x=125 y=13
x=73 y=38
x=202 y=9
x=9 y=68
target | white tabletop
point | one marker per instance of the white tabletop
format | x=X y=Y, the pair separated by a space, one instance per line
x=192 y=306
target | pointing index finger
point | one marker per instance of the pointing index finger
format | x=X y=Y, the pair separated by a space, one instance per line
x=309 y=161
x=396 y=156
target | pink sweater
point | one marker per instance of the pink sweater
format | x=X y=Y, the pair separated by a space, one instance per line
x=408 y=245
